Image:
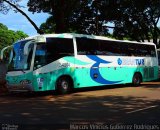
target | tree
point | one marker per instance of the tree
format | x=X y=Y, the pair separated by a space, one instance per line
x=13 y=3
x=136 y=19
x=133 y=19
x=49 y=26
x=83 y=18
x=61 y=10
x=8 y=37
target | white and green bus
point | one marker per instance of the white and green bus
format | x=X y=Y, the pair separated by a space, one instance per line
x=65 y=61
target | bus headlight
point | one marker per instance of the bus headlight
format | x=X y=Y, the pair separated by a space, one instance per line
x=23 y=82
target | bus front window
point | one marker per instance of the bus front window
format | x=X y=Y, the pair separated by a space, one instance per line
x=19 y=60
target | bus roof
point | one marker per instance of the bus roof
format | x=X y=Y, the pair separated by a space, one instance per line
x=42 y=38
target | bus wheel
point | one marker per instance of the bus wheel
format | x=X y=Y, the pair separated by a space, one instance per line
x=137 y=79
x=64 y=85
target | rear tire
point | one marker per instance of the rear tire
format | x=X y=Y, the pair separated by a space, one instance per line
x=137 y=79
x=63 y=85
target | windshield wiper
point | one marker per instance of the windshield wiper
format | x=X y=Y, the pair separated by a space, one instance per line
x=23 y=71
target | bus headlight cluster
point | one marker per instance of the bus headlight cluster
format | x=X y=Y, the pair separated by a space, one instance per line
x=23 y=82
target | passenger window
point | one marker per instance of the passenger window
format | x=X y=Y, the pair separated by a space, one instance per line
x=58 y=48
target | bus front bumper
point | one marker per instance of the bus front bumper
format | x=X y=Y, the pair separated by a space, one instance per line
x=19 y=88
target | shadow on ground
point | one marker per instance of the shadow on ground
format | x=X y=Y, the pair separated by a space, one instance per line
x=152 y=85
x=47 y=110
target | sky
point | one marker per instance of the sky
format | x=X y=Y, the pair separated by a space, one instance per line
x=16 y=21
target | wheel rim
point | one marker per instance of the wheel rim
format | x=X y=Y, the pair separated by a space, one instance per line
x=137 y=80
x=64 y=85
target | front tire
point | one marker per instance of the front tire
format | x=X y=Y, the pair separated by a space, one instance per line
x=137 y=79
x=63 y=85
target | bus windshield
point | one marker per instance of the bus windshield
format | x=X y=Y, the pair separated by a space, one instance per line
x=19 y=60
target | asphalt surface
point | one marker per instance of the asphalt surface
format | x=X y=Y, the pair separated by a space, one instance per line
x=109 y=107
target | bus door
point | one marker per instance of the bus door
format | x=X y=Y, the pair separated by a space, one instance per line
x=41 y=76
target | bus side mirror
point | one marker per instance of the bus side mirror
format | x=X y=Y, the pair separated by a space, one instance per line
x=38 y=66
x=2 y=51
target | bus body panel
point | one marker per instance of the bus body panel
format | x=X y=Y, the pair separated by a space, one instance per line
x=81 y=69
x=114 y=72
x=85 y=70
x=20 y=81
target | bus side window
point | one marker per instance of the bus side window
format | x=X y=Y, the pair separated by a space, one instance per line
x=58 y=48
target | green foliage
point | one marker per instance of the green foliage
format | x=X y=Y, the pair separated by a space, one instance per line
x=4 y=8
x=136 y=19
x=133 y=19
x=77 y=16
x=8 y=37
x=48 y=26
x=3 y=26
x=86 y=19
x=60 y=9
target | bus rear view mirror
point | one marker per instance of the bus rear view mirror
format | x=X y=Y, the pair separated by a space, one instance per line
x=2 y=51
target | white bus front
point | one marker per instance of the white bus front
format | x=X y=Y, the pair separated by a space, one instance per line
x=19 y=75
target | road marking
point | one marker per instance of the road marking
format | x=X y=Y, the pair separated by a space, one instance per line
x=142 y=109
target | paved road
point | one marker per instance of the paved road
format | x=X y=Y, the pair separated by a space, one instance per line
x=136 y=107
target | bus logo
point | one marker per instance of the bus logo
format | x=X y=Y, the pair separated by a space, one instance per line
x=119 y=61
x=130 y=61
x=139 y=61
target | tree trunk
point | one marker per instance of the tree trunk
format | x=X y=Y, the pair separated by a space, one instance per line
x=58 y=13
x=155 y=34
